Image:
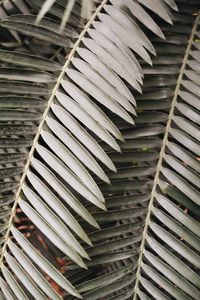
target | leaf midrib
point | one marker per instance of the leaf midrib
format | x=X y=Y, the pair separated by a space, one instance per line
x=162 y=154
x=40 y=127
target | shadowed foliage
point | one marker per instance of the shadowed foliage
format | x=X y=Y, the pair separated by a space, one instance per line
x=99 y=149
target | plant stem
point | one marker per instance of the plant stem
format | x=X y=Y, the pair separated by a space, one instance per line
x=162 y=154
x=40 y=127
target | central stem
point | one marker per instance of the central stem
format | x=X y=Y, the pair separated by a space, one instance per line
x=162 y=153
x=40 y=127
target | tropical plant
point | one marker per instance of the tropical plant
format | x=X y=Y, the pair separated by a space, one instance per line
x=99 y=150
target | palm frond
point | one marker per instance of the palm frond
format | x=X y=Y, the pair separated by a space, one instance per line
x=169 y=252
x=175 y=244
x=147 y=203
x=71 y=124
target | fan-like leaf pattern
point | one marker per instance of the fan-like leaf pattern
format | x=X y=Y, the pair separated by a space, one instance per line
x=169 y=260
x=72 y=116
x=148 y=245
x=170 y=247
x=182 y=243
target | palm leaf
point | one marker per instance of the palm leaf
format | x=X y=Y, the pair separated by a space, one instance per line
x=56 y=191
x=169 y=253
x=168 y=257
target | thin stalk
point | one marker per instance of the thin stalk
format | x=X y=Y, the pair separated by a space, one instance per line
x=40 y=127
x=162 y=154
